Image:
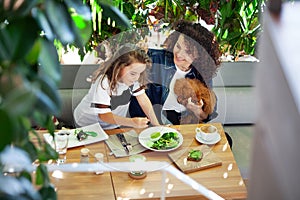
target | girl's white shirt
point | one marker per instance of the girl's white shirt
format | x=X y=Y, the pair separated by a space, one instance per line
x=171 y=102
x=99 y=93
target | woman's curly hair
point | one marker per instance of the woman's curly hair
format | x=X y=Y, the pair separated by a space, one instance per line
x=202 y=44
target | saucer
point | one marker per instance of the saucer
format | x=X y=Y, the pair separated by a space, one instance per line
x=214 y=141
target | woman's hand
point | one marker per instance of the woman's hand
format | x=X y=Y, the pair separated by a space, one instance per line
x=197 y=109
x=191 y=106
x=140 y=122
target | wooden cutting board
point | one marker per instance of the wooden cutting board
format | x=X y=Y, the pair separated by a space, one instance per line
x=210 y=159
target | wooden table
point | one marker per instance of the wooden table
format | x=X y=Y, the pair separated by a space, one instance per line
x=225 y=180
x=81 y=185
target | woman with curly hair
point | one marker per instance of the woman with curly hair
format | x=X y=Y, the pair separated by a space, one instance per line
x=190 y=51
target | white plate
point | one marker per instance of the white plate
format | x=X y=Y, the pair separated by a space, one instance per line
x=74 y=142
x=144 y=137
x=216 y=140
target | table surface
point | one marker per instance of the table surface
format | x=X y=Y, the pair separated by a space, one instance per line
x=225 y=180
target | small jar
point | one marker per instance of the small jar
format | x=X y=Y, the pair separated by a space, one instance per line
x=99 y=159
x=137 y=174
x=84 y=155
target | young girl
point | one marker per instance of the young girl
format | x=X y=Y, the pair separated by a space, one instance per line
x=113 y=84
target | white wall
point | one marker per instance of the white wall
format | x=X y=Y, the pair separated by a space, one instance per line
x=235 y=90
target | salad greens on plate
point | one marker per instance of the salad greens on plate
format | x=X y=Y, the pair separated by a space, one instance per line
x=168 y=140
x=82 y=135
x=160 y=138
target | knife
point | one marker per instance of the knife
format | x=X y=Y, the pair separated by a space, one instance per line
x=127 y=146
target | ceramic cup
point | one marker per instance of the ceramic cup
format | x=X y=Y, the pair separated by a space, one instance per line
x=207 y=132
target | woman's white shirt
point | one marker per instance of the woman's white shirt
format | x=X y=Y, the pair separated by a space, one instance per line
x=171 y=102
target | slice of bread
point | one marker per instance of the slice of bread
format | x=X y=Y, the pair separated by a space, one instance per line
x=195 y=155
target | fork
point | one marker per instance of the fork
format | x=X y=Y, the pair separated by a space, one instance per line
x=127 y=146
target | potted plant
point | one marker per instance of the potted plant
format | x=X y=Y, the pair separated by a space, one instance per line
x=235 y=23
x=237 y=27
x=29 y=76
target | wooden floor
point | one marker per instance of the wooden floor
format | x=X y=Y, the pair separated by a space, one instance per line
x=242 y=136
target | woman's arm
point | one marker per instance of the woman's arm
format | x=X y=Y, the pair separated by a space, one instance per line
x=136 y=122
x=146 y=106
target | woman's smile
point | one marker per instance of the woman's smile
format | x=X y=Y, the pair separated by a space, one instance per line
x=182 y=57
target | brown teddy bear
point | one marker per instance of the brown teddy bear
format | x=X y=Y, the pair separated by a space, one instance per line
x=186 y=88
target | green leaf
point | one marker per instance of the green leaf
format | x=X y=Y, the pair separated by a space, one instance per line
x=48 y=192
x=13 y=45
x=43 y=23
x=30 y=148
x=128 y=9
x=190 y=16
x=19 y=101
x=91 y=133
x=48 y=99
x=60 y=20
x=233 y=35
x=84 y=30
x=33 y=55
x=37 y=137
x=82 y=23
x=26 y=122
x=40 y=118
x=42 y=177
x=80 y=8
x=225 y=34
x=147 y=2
x=7 y=127
x=26 y=175
x=115 y=15
x=48 y=58
x=47 y=153
x=49 y=88
x=45 y=104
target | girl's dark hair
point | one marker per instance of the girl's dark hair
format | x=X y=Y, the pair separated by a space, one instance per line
x=202 y=44
x=126 y=55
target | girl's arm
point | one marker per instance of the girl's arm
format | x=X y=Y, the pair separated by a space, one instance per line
x=136 y=122
x=146 y=106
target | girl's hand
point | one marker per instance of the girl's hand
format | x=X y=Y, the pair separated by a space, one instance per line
x=140 y=122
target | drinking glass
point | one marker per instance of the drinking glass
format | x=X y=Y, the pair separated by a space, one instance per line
x=61 y=140
x=99 y=157
x=137 y=174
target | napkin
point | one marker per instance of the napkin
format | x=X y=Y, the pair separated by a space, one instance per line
x=118 y=150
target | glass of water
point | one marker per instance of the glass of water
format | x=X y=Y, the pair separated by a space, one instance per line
x=61 y=140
